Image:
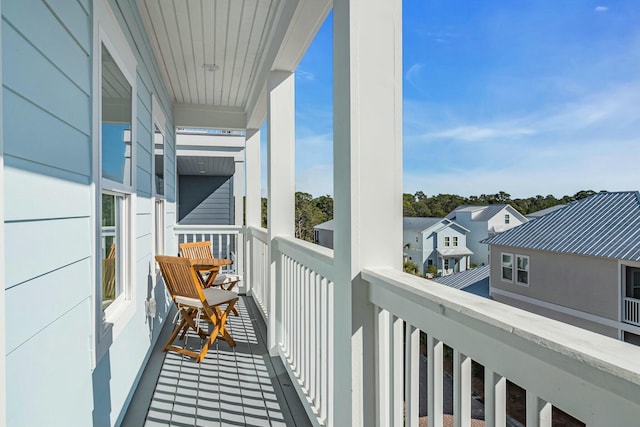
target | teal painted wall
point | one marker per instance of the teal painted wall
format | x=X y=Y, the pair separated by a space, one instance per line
x=47 y=119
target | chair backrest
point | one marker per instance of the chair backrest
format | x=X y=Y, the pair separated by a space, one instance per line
x=196 y=250
x=180 y=277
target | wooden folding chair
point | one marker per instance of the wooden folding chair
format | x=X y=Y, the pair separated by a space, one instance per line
x=194 y=303
x=215 y=278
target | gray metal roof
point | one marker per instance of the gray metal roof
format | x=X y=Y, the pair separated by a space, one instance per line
x=465 y=278
x=412 y=223
x=327 y=225
x=541 y=212
x=604 y=225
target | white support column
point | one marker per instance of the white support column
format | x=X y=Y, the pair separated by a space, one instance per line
x=253 y=201
x=498 y=390
x=3 y=376
x=238 y=212
x=367 y=178
x=281 y=183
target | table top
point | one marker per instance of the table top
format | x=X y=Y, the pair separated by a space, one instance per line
x=202 y=263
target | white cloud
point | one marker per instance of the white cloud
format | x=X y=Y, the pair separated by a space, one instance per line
x=412 y=75
x=476 y=133
x=601 y=8
x=305 y=75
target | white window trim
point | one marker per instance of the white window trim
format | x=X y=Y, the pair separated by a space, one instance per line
x=513 y=267
x=515 y=270
x=108 y=325
x=159 y=120
x=454 y=241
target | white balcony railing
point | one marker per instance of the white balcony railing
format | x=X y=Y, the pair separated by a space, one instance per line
x=258 y=268
x=226 y=242
x=594 y=378
x=631 y=311
x=307 y=314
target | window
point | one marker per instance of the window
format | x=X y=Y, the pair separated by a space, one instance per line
x=116 y=183
x=632 y=282
x=447 y=241
x=446 y=263
x=507 y=267
x=522 y=274
x=455 y=240
x=429 y=262
x=417 y=240
x=158 y=143
x=159 y=227
x=506 y=218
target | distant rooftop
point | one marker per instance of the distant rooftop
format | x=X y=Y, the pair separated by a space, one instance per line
x=475 y=281
x=412 y=223
x=603 y=225
x=542 y=212
x=327 y=225
x=482 y=212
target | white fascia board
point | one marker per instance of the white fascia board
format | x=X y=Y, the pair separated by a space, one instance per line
x=208 y=117
x=209 y=141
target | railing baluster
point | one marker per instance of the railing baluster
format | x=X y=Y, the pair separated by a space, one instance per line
x=324 y=348
x=397 y=368
x=461 y=390
x=383 y=362
x=434 y=381
x=411 y=376
x=538 y=411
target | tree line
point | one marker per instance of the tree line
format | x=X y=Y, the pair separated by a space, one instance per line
x=311 y=211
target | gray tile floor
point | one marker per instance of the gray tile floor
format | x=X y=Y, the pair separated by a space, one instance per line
x=241 y=386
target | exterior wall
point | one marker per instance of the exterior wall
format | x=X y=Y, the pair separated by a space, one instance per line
x=205 y=200
x=325 y=238
x=587 y=284
x=52 y=377
x=477 y=231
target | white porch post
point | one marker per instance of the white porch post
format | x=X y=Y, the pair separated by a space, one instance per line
x=238 y=212
x=367 y=188
x=3 y=393
x=252 y=199
x=281 y=183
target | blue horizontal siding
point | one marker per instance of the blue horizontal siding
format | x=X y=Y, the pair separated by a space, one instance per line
x=28 y=73
x=76 y=20
x=35 y=134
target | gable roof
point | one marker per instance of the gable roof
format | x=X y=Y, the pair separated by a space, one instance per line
x=603 y=225
x=484 y=212
x=418 y=224
x=327 y=225
x=467 y=278
x=541 y=212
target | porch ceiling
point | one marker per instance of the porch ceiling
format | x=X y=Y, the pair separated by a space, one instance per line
x=246 y=39
x=206 y=166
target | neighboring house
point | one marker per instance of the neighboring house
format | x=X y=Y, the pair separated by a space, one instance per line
x=579 y=264
x=436 y=241
x=543 y=212
x=323 y=234
x=475 y=281
x=484 y=221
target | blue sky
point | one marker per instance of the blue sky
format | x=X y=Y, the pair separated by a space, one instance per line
x=527 y=97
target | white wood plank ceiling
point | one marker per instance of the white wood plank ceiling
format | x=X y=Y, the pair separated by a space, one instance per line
x=246 y=39
x=232 y=34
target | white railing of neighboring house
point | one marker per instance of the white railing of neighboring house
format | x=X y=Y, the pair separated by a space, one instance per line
x=632 y=311
x=258 y=268
x=307 y=322
x=594 y=378
x=226 y=242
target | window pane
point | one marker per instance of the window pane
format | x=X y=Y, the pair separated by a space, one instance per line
x=109 y=234
x=523 y=276
x=507 y=273
x=158 y=140
x=506 y=261
x=116 y=122
x=523 y=263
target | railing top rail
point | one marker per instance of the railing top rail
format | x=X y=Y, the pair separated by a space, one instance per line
x=317 y=258
x=227 y=229
x=260 y=233
x=607 y=362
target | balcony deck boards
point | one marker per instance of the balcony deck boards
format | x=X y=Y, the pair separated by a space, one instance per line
x=241 y=386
